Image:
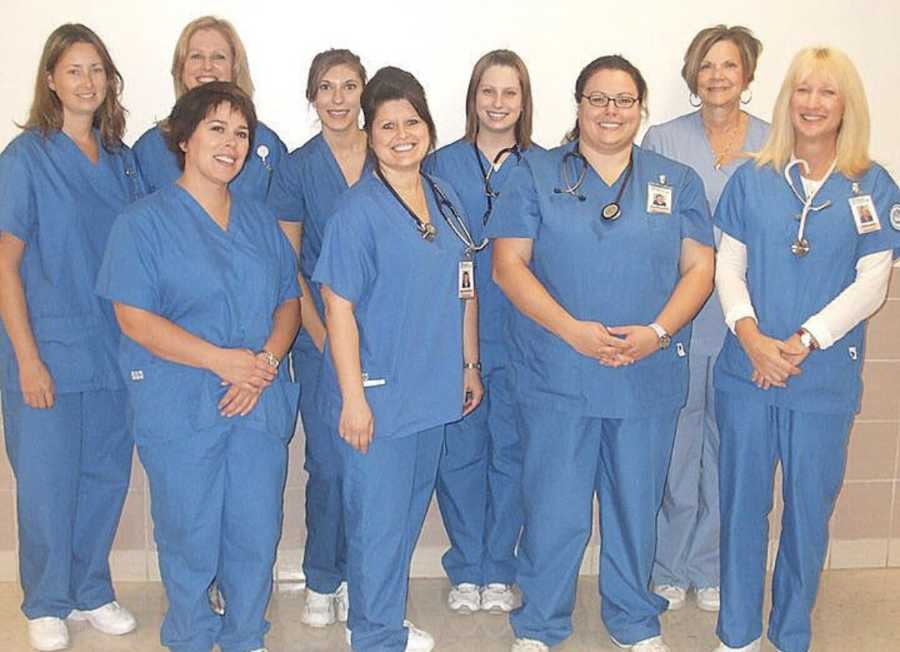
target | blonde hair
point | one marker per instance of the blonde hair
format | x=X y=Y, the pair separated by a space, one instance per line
x=240 y=68
x=853 y=134
x=748 y=46
x=46 y=112
x=509 y=59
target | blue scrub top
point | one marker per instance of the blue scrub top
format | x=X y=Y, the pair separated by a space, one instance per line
x=404 y=293
x=168 y=257
x=62 y=207
x=759 y=209
x=160 y=168
x=457 y=163
x=684 y=140
x=617 y=273
x=305 y=188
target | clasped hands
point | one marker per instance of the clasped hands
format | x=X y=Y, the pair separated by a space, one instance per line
x=774 y=361
x=615 y=346
x=246 y=374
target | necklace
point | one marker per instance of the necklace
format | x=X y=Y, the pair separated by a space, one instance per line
x=724 y=153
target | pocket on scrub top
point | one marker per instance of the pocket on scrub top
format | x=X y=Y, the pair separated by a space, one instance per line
x=276 y=412
x=170 y=401
x=69 y=346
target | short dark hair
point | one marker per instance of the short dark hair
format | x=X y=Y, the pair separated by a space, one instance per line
x=325 y=61
x=195 y=105
x=392 y=83
x=608 y=62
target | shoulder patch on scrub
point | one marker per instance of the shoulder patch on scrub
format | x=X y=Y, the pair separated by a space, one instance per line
x=895 y=217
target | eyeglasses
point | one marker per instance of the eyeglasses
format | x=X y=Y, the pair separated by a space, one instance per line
x=602 y=100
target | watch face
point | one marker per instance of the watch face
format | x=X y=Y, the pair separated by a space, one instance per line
x=664 y=341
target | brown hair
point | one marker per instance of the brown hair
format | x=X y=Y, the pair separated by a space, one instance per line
x=748 y=45
x=195 y=105
x=392 y=83
x=512 y=60
x=608 y=62
x=46 y=112
x=325 y=61
x=240 y=67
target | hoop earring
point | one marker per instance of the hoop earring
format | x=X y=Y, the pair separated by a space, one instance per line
x=749 y=99
x=699 y=102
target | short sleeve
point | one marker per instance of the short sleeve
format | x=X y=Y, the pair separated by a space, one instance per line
x=287 y=265
x=346 y=263
x=128 y=273
x=886 y=198
x=285 y=196
x=651 y=141
x=430 y=164
x=729 y=215
x=18 y=208
x=693 y=207
x=516 y=213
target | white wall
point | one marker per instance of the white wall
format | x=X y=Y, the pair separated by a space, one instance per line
x=439 y=42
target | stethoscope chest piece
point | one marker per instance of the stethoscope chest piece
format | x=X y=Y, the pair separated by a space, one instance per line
x=428 y=231
x=800 y=247
x=611 y=211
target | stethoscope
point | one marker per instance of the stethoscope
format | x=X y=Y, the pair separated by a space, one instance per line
x=263 y=153
x=489 y=193
x=800 y=247
x=454 y=220
x=610 y=211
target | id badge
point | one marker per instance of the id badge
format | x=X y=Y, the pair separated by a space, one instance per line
x=659 y=198
x=864 y=214
x=466 y=280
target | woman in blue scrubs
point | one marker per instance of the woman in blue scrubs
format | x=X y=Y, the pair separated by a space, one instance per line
x=305 y=187
x=204 y=286
x=209 y=49
x=796 y=294
x=62 y=182
x=606 y=251
x=479 y=481
x=401 y=355
x=719 y=65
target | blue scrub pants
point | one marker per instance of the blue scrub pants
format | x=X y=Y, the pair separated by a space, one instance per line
x=325 y=552
x=479 y=489
x=386 y=496
x=568 y=459
x=687 y=538
x=72 y=464
x=216 y=498
x=812 y=450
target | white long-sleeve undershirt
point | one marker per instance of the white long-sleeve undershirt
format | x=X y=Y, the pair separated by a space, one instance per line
x=858 y=300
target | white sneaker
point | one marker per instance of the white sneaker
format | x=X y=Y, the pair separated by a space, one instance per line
x=529 y=645
x=674 y=594
x=498 y=598
x=752 y=647
x=708 y=599
x=418 y=640
x=318 y=610
x=260 y=649
x=464 y=598
x=341 y=602
x=48 y=634
x=654 y=644
x=111 y=618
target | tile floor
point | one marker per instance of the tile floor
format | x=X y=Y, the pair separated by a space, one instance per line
x=858 y=611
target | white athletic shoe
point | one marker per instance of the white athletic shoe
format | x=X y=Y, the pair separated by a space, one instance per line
x=674 y=594
x=529 y=645
x=464 y=598
x=708 y=599
x=260 y=649
x=498 y=598
x=111 y=618
x=318 y=610
x=341 y=602
x=48 y=634
x=418 y=640
x=654 y=644
x=752 y=647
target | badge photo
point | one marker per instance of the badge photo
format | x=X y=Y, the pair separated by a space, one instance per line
x=864 y=214
x=659 y=198
x=466 y=279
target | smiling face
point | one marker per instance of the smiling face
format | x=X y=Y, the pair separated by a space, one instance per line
x=209 y=58
x=217 y=148
x=721 y=77
x=817 y=108
x=498 y=99
x=399 y=136
x=609 y=129
x=337 y=98
x=79 y=81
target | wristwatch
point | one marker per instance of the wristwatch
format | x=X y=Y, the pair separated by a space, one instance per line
x=807 y=340
x=472 y=365
x=664 y=338
x=270 y=358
